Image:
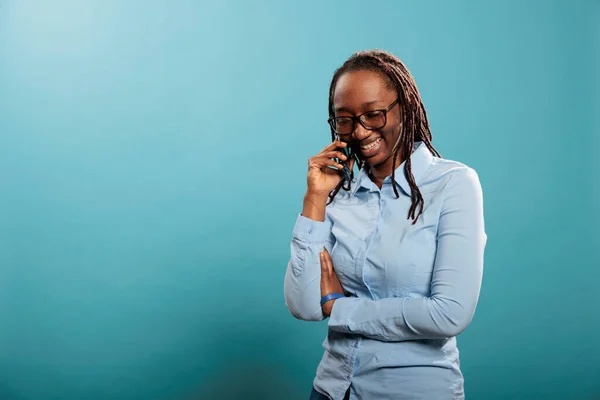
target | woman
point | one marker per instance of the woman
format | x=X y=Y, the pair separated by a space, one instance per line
x=395 y=259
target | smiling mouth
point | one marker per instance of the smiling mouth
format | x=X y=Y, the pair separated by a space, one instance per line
x=371 y=145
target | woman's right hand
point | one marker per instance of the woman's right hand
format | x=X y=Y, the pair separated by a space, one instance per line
x=322 y=179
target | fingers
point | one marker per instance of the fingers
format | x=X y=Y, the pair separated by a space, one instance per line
x=326 y=260
x=324 y=275
x=351 y=163
x=336 y=144
x=330 y=283
x=324 y=263
x=324 y=159
x=322 y=162
x=334 y=154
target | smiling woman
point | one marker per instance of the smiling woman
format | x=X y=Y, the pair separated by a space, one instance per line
x=395 y=260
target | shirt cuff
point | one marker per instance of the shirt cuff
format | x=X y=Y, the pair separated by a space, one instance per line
x=309 y=230
x=338 y=320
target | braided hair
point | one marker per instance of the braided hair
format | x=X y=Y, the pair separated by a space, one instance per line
x=414 y=118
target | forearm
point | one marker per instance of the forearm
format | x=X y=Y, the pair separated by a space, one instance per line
x=302 y=284
x=314 y=206
x=401 y=319
x=302 y=292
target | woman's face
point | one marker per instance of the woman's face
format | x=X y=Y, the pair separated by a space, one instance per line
x=358 y=92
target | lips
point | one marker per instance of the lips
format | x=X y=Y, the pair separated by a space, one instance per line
x=370 y=144
x=371 y=147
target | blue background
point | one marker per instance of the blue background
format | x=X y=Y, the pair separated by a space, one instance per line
x=153 y=160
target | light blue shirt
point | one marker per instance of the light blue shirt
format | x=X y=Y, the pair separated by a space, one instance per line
x=411 y=289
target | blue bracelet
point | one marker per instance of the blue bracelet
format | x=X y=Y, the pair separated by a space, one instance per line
x=329 y=297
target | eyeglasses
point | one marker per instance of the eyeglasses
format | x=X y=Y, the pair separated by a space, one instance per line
x=375 y=119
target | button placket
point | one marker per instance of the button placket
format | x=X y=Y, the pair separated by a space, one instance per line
x=376 y=207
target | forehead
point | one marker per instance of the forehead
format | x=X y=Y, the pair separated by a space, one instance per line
x=356 y=90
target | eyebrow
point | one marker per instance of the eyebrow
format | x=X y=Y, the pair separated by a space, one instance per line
x=368 y=103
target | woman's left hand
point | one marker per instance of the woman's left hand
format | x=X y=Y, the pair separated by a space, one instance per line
x=329 y=281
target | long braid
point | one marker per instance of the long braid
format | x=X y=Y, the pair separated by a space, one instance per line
x=415 y=125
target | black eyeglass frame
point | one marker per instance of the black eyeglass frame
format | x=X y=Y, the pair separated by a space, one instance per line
x=358 y=119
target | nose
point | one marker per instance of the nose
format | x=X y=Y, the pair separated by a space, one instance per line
x=360 y=132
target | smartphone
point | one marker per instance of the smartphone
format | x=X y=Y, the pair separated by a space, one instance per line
x=346 y=171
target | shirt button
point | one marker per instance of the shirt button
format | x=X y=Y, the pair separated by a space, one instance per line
x=309 y=231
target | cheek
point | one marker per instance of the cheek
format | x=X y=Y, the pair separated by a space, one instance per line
x=391 y=137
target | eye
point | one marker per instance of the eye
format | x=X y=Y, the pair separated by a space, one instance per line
x=373 y=115
x=341 y=121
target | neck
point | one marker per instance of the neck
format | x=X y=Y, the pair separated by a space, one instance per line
x=379 y=172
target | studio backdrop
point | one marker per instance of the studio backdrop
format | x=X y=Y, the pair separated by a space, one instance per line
x=153 y=159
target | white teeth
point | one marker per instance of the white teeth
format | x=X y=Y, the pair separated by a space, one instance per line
x=371 y=145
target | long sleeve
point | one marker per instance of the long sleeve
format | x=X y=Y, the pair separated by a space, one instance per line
x=456 y=279
x=302 y=283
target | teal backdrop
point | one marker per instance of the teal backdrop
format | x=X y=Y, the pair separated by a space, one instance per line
x=152 y=164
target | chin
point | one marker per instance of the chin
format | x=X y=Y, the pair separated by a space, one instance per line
x=377 y=159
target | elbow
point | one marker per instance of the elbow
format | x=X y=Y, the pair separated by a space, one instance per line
x=301 y=298
x=307 y=316
x=452 y=317
x=456 y=326
x=303 y=313
x=302 y=308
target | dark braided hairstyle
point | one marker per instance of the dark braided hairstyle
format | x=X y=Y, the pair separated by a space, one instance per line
x=415 y=126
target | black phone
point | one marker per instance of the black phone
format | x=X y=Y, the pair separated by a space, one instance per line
x=346 y=171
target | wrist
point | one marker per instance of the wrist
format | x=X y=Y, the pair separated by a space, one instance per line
x=328 y=302
x=314 y=206
x=331 y=296
x=317 y=198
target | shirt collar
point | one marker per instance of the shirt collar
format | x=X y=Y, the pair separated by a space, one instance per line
x=420 y=160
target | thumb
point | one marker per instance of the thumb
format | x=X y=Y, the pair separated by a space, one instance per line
x=351 y=163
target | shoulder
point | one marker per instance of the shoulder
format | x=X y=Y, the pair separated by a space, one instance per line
x=458 y=183
x=450 y=173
